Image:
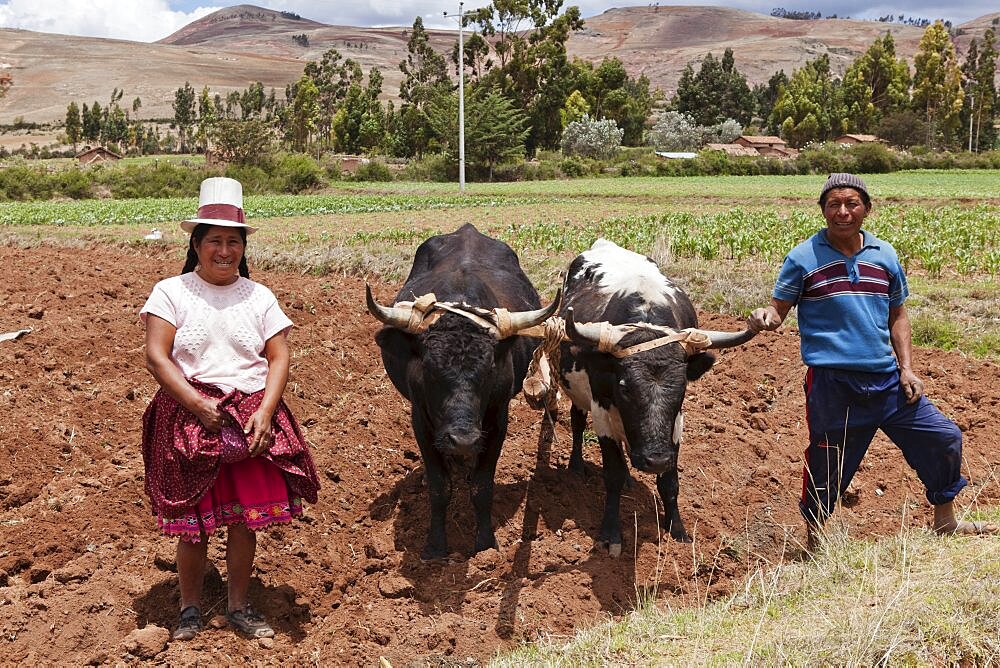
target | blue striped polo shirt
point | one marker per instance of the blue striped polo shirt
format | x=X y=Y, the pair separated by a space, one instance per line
x=843 y=302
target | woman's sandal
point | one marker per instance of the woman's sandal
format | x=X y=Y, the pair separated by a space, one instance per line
x=189 y=625
x=249 y=622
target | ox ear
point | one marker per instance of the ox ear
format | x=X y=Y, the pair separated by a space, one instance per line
x=502 y=348
x=698 y=364
x=397 y=343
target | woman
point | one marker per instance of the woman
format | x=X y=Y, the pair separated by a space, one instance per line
x=219 y=445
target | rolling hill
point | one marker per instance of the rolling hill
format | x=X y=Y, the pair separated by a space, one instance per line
x=233 y=47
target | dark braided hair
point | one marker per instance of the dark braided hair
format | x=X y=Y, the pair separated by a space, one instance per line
x=199 y=232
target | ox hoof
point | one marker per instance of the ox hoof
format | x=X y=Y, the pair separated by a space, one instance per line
x=433 y=554
x=681 y=537
x=482 y=546
x=615 y=550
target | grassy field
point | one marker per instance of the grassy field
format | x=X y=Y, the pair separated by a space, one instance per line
x=904 y=187
x=721 y=237
x=912 y=600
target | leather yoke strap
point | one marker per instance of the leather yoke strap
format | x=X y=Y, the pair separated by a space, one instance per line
x=692 y=340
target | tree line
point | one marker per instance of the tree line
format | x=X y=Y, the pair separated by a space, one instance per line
x=935 y=105
x=523 y=92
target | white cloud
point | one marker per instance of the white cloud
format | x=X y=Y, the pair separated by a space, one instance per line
x=149 y=20
x=138 y=20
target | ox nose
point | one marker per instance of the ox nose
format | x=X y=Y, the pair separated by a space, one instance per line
x=654 y=463
x=462 y=443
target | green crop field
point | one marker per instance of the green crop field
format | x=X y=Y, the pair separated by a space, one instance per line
x=721 y=237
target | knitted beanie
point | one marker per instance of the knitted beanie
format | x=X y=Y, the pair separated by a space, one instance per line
x=843 y=180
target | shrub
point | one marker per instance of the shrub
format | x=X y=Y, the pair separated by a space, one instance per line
x=675 y=131
x=823 y=159
x=873 y=158
x=573 y=167
x=636 y=168
x=163 y=179
x=721 y=133
x=296 y=172
x=255 y=180
x=24 y=183
x=373 y=170
x=512 y=171
x=591 y=138
x=541 y=170
x=432 y=167
x=74 y=183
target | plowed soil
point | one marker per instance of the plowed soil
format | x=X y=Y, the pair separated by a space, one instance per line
x=82 y=565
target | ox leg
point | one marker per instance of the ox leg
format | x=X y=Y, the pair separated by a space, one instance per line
x=578 y=421
x=482 y=482
x=438 y=488
x=668 y=487
x=615 y=473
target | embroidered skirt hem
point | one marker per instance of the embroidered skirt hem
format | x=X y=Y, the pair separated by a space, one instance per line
x=251 y=492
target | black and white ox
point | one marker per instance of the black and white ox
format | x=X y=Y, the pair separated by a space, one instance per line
x=460 y=365
x=634 y=392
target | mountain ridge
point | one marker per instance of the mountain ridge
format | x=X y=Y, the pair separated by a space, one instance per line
x=235 y=46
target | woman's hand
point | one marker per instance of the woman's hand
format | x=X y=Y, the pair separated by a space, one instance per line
x=209 y=414
x=258 y=432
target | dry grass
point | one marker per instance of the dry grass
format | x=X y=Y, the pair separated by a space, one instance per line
x=913 y=599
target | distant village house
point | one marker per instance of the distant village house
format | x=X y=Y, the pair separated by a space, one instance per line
x=754 y=146
x=782 y=152
x=734 y=149
x=96 y=155
x=767 y=145
x=856 y=139
x=760 y=141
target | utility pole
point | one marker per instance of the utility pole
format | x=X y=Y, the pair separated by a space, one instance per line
x=461 y=99
x=972 y=105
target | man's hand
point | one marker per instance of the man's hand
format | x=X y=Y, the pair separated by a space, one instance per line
x=258 y=432
x=913 y=387
x=764 y=318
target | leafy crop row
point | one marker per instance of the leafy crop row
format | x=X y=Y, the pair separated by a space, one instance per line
x=120 y=212
x=956 y=238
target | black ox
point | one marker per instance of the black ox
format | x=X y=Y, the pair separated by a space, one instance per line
x=460 y=374
x=635 y=397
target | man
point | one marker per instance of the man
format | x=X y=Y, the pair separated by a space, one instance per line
x=849 y=288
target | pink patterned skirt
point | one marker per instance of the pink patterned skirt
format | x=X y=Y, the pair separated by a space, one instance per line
x=251 y=492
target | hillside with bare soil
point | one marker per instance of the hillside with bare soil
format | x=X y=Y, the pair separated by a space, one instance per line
x=236 y=46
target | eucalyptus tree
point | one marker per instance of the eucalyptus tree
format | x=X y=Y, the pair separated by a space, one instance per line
x=937 y=84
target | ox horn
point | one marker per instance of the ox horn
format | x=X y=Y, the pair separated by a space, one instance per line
x=393 y=316
x=728 y=339
x=524 y=319
x=589 y=333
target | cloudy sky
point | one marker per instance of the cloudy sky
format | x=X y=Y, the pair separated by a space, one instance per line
x=149 y=20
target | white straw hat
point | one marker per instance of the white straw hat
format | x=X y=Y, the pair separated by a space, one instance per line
x=220 y=202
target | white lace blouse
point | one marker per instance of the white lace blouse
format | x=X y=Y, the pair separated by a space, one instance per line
x=221 y=329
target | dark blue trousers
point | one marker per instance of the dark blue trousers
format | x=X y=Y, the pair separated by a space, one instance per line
x=844 y=409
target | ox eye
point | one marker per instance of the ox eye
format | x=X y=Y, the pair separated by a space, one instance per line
x=622 y=382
